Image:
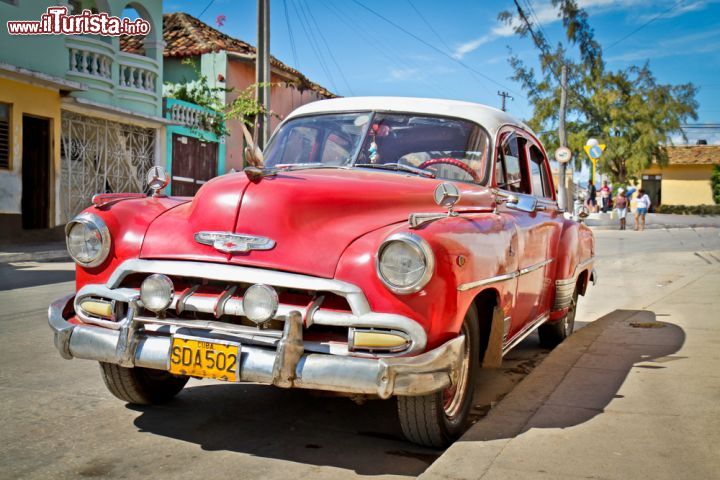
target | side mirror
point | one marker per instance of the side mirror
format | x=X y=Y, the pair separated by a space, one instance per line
x=524 y=203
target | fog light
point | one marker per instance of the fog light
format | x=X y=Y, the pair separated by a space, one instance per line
x=97 y=308
x=376 y=341
x=156 y=292
x=260 y=303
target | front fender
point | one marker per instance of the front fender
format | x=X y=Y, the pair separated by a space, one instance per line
x=127 y=221
x=467 y=248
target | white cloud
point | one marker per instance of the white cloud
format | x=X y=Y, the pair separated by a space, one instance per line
x=472 y=45
x=402 y=73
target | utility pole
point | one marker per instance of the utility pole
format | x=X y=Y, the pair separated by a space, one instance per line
x=562 y=191
x=505 y=96
x=262 y=70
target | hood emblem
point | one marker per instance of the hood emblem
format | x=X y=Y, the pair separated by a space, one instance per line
x=234 y=242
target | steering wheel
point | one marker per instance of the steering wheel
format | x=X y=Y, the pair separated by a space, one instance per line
x=451 y=161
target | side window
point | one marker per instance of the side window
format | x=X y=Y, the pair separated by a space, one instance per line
x=540 y=182
x=510 y=169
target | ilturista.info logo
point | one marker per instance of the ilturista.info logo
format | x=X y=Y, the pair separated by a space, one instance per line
x=57 y=21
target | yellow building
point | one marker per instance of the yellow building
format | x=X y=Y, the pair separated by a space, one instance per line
x=685 y=180
x=29 y=148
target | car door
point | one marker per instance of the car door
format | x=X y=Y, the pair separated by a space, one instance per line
x=546 y=233
x=513 y=180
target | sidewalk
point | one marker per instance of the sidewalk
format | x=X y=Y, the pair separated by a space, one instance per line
x=33 y=252
x=635 y=394
x=654 y=220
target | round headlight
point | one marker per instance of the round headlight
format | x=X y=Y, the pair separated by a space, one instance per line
x=156 y=292
x=88 y=240
x=405 y=263
x=260 y=303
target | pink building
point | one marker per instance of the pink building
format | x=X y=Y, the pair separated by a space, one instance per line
x=230 y=63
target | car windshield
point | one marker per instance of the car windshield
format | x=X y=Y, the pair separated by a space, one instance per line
x=447 y=148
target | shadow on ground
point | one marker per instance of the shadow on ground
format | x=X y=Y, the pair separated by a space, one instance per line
x=27 y=274
x=578 y=380
x=293 y=425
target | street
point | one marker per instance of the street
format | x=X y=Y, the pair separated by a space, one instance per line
x=59 y=421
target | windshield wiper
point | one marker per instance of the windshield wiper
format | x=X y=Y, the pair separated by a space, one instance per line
x=284 y=167
x=397 y=167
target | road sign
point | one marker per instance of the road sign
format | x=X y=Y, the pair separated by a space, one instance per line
x=563 y=155
x=594 y=151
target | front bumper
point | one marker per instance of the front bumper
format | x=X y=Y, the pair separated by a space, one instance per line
x=287 y=366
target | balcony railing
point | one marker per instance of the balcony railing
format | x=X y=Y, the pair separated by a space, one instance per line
x=119 y=78
x=185 y=113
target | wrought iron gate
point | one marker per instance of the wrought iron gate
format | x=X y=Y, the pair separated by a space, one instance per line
x=101 y=156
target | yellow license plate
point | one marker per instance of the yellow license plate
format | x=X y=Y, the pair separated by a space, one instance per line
x=201 y=358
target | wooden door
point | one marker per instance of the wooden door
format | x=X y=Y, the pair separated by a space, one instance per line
x=194 y=162
x=36 y=166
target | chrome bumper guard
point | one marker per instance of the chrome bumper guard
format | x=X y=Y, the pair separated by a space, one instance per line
x=287 y=366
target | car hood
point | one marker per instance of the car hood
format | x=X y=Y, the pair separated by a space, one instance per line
x=312 y=215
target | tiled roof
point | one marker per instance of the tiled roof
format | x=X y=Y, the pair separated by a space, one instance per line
x=186 y=36
x=694 y=154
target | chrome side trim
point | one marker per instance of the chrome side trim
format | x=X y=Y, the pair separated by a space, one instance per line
x=505 y=276
x=529 y=328
x=532 y=268
x=487 y=281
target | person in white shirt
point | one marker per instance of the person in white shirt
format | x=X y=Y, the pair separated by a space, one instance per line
x=642 y=204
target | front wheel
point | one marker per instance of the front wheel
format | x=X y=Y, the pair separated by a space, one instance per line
x=142 y=386
x=552 y=334
x=437 y=419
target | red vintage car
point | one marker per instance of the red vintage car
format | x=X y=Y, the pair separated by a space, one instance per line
x=387 y=247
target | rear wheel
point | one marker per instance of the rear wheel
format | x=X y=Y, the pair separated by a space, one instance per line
x=437 y=419
x=552 y=334
x=143 y=386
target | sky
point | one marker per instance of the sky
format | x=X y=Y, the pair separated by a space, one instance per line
x=458 y=49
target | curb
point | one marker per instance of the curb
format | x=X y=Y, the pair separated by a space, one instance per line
x=473 y=454
x=656 y=226
x=34 y=256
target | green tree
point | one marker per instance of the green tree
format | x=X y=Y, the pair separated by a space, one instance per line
x=627 y=109
x=715 y=181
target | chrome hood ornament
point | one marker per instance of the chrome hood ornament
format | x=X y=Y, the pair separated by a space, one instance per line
x=229 y=242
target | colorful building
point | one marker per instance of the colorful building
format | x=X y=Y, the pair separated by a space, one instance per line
x=193 y=47
x=685 y=180
x=78 y=114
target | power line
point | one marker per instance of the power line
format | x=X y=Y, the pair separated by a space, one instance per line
x=384 y=50
x=644 y=25
x=433 y=47
x=327 y=47
x=292 y=38
x=205 y=9
x=432 y=29
x=313 y=43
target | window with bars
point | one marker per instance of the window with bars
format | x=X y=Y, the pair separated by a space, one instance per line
x=4 y=136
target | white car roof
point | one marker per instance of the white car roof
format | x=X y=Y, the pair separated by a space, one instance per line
x=490 y=118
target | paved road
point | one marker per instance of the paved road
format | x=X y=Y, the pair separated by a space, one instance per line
x=60 y=422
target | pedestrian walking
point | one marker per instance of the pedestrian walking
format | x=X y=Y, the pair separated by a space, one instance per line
x=605 y=196
x=642 y=204
x=621 y=204
x=592 y=198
